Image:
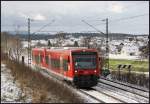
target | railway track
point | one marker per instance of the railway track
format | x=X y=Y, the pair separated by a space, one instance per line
x=124 y=91
x=100 y=96
x=97 y=94
x=91 y=92
x=95 y=98
x=123 y=95
x=124 y=87
x=144 y=90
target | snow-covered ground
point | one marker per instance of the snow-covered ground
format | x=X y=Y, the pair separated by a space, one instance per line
x=128 y=47
x=118 y=56
x=10 y=92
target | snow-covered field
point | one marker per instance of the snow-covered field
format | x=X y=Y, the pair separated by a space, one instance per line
x=10 y=92
x=128 y=47
x=118 y=56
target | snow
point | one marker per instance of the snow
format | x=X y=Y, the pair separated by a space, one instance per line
x=10 y=92
x=123 y=56
x=101 y=96
x=128 y=47
x=115 y=94
x=125 y=93
x=86 y=98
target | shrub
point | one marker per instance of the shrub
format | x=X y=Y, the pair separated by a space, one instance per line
x=133 y=78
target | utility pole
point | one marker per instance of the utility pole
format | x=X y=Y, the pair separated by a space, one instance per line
x=29 y=43
x=17 y=37
x=6 y=36
x=107 y=45
x=29 y=39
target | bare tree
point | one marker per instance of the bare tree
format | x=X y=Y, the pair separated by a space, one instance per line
x=49 y=44
x=15 y=50
x=60 y=39
x=4 y=41
x=85 y=42
x=76 y=44
x=119 y=48
x=11 y=44
x=144 y=51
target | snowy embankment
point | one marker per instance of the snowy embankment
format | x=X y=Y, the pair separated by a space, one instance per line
x=10 y=92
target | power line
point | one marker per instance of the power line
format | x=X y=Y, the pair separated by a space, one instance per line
x=43 y=27
x=132 y=17
x=11 y=25
x=125 y=18
x=127 y=7
x=93 y=27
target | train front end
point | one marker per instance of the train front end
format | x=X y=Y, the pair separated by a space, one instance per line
x=86 y=68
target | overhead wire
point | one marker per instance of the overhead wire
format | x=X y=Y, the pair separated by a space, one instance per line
x=93 y=27
x=43 y=27
x=131 y=17
x=127 y=7
x=125 y=18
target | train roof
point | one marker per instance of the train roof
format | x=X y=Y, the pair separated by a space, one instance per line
x=64 y=49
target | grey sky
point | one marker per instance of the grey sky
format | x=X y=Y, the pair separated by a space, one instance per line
x=68 y=15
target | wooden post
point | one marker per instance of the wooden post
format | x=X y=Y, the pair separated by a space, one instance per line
x=119 y=67
x=22 y=59
x=129 y=71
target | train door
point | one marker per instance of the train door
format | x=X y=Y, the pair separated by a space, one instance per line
x=66 y=66
x=49 y=62
x=61 y=65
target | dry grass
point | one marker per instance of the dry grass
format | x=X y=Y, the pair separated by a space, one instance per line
x=40 y=87
x=133 y=78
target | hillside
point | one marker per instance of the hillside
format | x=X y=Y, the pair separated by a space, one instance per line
x=116 y=36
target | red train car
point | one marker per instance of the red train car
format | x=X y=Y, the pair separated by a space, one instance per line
x=78 y=65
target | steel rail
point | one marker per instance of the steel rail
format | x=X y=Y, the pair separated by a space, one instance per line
x=91 y=96
x=118 y=92
x=124 y=89
x=125 y=85
x=109 y=95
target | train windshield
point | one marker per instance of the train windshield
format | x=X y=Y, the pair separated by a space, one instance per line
x=85 y=61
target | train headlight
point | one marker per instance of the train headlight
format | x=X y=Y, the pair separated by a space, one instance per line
x=76 y=71
x=95 y=71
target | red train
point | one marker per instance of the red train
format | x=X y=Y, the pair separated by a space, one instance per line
x=77 y=65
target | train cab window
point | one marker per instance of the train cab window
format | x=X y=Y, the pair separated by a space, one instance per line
x=47 y=60
x=65 y=65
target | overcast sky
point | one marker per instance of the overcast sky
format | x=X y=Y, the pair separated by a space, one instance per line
x=68 y=15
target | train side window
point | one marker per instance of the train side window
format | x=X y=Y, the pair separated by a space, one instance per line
x=55 y=63
x=33 y=57
x=47 y=60
x=40 y=58
x=52 y=63
x=65 y=65
x=36 y=59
